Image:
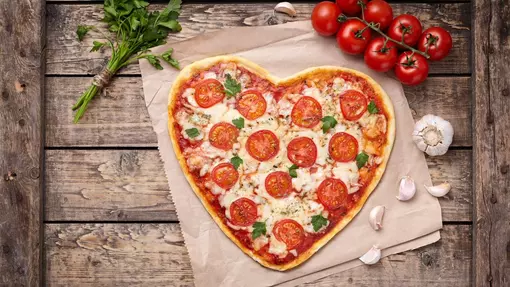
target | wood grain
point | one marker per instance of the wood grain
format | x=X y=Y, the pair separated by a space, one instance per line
x=68 y=56
x=491 y=143
x=119 y=116
x=154 y=254
x=130 y=185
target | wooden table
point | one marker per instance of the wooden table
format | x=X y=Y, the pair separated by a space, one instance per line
x=89 y=204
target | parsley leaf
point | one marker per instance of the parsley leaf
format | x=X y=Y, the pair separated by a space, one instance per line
x=372 y=108
x=292 y=171
x=167 y=56
x=97 y=46
x=328 y=122
x=239 y=123
x=259 y=228
x=82 y=30
x=318 y=221
x=361 y=159
x=232 y=87
x=193 y=132
x=236 y=161
x=153 y=61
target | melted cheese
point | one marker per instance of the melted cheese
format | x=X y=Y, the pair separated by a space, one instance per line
x=277 y=247
x=348 y=173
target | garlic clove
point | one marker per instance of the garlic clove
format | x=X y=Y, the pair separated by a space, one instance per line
x=376 y=216
x=372 y=256
x=433 y=135
x=439 y=190
x=287 y=8
x=406 y=189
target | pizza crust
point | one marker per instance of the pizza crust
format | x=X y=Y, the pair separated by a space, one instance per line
x=191 y=69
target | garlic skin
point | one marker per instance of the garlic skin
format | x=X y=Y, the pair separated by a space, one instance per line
x=287 y=8
x=433 y=135
x=439 y=190
x=375 y=217
x=406 y=189
x=372 y=256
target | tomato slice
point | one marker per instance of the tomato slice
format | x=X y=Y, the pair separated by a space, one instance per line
x=262 y=145
x=343 y=147
x=353 y=104
x=225 y=175
x=209 y=92
x=251 y=104
x=302 y=152
x=289 y=232
x=223 y=135
x=332 y=193
x=243 y=212
x=306 y=113
x=278 y=184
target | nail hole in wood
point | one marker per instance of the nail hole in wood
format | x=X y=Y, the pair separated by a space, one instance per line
x=10 y=176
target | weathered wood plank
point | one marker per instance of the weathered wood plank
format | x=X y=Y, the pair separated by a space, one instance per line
x=491 y=142
x=137 y=254
x=68 y=56
x=130 y=185
x=21 y=141
x=119 y=116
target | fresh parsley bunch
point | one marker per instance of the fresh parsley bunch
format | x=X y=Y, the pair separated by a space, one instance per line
x=136 y=31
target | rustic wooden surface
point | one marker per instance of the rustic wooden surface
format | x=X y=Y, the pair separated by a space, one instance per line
x=21 y=141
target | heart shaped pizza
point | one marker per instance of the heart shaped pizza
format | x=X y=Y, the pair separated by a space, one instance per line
x=281 y=165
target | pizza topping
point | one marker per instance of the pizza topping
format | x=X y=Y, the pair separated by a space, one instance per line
x=353 y=105
x=318 y=221
x=262 y=145
x=278 y=184
x=328 y=122
x=225 y=175
x=236 y=161
x=332 y=193
x=251 y=104
x=232 y=87
x=361 y=159
x=223 y=135
x=208 y=93
x=192 y=133
x=406 y=189
x=307 y=112
x=376 y=216
x=277 y=247
x=372 y=108
x=243 y=212
x=372 y=256
x=289 y=232
x=373 y=126
x=259 y=228
x=292 y=170
x=433 y=135
x=343 y=147
x=302 y=152
x=239 y=123
x=348 y=173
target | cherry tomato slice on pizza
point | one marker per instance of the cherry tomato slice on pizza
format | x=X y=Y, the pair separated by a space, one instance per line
x=278 y=184
x=262 y=145
x=306 y=113
x=243 y=212
x=251 y=104
x=343 y=147
x=209 y=92
x=353 y=104
x=223 y=135
x=332 y=193
x=225 y=175
x=302 y=151
x=289 y=232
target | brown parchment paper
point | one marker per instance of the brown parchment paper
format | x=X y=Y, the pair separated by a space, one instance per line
x=285 y=50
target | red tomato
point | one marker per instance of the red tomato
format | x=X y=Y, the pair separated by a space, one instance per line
x=302 y=152
x=225 y=175
x=343 y=147
x=262 y=145
x=278 y=184
x=350 y=7
x=324 y=18
x=353 y=37
x=353 y=104
x=411 y=69
x=379 y=11
x=243 y=212
x=251 y=104
x=223 y=135
x=406 y=26
x=436 y=42
x=209 y=92
x=332 y=193
x=381 y=56
x=289 y=232
x=306 y=113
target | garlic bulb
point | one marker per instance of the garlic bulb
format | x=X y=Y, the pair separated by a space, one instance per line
x=372 y=256
x=406 y=189
x=433 y=135
x=439 y=190
x=375 y=217
x=285 y=7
